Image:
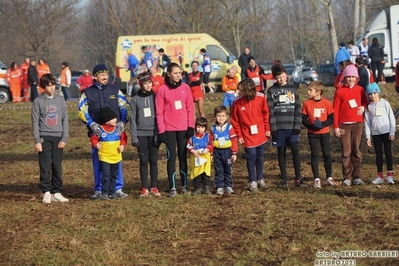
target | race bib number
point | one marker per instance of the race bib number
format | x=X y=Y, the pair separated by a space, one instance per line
x=254 y=129
x=147 y=112
x=352 y=103
x=178 y=105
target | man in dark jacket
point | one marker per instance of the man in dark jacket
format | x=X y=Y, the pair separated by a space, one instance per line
x=243 y=62
x=33 y=80
x=364 y=78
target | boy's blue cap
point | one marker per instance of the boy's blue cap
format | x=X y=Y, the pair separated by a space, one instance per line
x=373 y=88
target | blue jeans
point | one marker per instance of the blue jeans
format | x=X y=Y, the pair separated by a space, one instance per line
x=255 y=159
x=65 y=91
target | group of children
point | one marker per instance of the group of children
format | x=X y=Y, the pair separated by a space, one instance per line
x=255 y=118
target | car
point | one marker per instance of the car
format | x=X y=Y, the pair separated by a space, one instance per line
x=327 y=74
x=5 y=94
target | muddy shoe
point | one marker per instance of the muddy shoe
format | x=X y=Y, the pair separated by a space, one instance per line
x=300 y=183
x=97 y=195
x=283 y=185
x=207 y=190
x=197 y=191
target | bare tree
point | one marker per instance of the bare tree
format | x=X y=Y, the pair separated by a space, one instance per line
x=331 y=25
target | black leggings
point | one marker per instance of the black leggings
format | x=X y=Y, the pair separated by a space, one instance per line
x=379 y=141
x=148 y=153
x=282 y=160
x=377 y=66
x=178 y=138
x=315 y=141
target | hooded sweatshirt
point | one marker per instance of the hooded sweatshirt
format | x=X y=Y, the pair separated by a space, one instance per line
x=50 y=117
x=142 y=111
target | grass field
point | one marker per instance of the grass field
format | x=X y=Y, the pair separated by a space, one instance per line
x=271 y=227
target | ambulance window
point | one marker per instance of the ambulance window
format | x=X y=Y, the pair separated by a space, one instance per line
x=216 y=53
x=379 y=36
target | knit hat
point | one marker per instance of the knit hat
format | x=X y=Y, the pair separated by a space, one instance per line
x=373 y=88
x=351 y=71
x=100 y=68
x=106 y=114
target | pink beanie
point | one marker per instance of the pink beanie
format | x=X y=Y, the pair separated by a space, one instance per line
x=351 y=71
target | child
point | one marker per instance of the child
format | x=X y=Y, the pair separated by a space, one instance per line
x=250 y=119
x=195 y=83
x=143 y=128
x=50 y=132
x=349 y=105
x=380 y=124
x=224 y=150
x=175 y=120
x=317 y=116
x=110 y=144
x=229 y=86
x=200 y=146
x=285 y=122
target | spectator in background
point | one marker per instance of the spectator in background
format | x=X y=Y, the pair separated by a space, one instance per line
x=364 y=74
x=229 y=87
x=65 y=80
x=257 y=74
x=164 y=61
x=33 y=80
x=364 y=50
x=85 y=80
x=14 y=78
x=397 y=77
x=376 y=54
x=146 y=58
x=235 y=70
x=341 y=55
x=195 y=83
x=25 y=85
x=157 y=80
x=243 y=62
x=133 y=68
x=42 y=68
x=353 y=51
x=207 y=68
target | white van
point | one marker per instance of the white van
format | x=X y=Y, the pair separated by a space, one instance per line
x=5 y=94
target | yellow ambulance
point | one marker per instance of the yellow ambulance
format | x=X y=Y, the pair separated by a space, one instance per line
x=181 y=48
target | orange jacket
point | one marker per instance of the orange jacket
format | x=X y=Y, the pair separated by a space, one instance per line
x=42 y=69
x=14 y=77
x=24 y=70
x=65 y=77
x=229 y=84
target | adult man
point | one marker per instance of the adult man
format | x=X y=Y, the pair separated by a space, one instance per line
x=65 y=80
x=243 y=62
x=93 y=98
x=164 y=61
x=33 y=80
x=207 y=69
x=364 y=49
x=157 y=80
x=25 y=85
x=342 y=55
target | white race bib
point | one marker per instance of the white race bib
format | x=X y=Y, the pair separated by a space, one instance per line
x=317 y=112
x=147 y=112
x=352 y=103
x=222 y=141
x=254 y=129
x=178 y=105
x=378 y=111
x=282 y=98
x=257 y=81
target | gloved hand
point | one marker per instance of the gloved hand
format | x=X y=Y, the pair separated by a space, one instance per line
x=156 y=140
x=136 y=144
x=318 y=124
x=95 y=128
x=189 y=132
x=296 y=131
x=121 y=127
x=162 y=138
x=274 y=136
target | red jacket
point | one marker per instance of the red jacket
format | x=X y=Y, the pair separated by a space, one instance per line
x=157 y=81
x=84 y=82
x=258 y=77
x=24 y=70
x=250 y=119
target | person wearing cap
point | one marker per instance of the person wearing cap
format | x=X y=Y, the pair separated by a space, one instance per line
x=95 y=97
x=342 y=55
x=65 y=80
x=349 y=105
x=85 y=80
x=380 y=127
x=110 y=143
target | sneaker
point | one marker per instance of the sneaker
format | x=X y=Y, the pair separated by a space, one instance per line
x=154 y=192
x=283 y=184
x=229 y=190
x=172 y=193
x=104 y=197
x=253 y=186
x=97 y=195
x=317 y=183
x=300 y=183
x=390 y=180
x=358 y=182
x=212 y=89
x=378 y=181
x=207 y=190
x=185 y=191
x=197 y=191
x=330 y=182
x=47 y=197
x=347 y=182
x=262 y=183
x=144 y=193
x=120 y=194
x=115 y=196
x=219 y=191
x=59 y=198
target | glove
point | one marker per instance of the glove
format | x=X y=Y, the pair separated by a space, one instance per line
x=136 y=144
x=274 y=136
x=189 y=132
x=95 y=128
x=156 y=140
x=162 y=138
x=121 y=127
x=296 y=131
x=318 y=124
